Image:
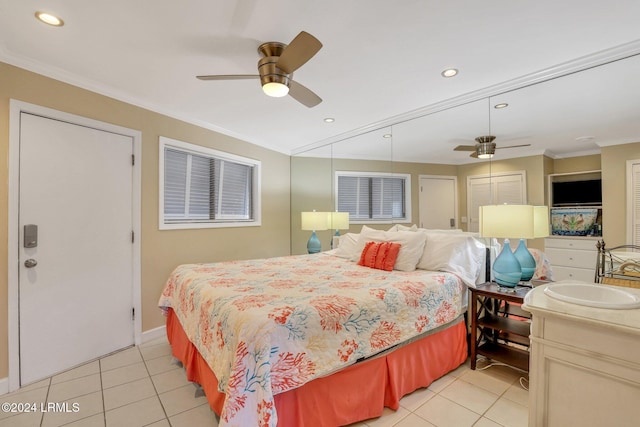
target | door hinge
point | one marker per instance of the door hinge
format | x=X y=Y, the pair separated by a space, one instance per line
x=133 y=236
x=133 y=313
x=133 y=160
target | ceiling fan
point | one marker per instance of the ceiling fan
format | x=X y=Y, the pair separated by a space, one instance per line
x=276 y=67
x=485 y=147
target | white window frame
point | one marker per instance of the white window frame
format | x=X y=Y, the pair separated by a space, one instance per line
x=407 y=195
x=165 y=142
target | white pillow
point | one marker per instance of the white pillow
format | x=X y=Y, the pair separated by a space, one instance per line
x=400 y=227
x=347 y=245
x=443 y=230
x=411 y=245
x=457 y=253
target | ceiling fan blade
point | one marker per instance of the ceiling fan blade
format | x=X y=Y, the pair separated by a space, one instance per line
x=303 y=95
x=465 y=148
x=229 y=77
x=514 y=146
x=298 y=52
x=474 y=155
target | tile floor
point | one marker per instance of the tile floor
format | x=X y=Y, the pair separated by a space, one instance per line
x=142 y=386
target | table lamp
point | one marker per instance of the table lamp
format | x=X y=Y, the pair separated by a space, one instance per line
x=514 y=222
x=312 y=221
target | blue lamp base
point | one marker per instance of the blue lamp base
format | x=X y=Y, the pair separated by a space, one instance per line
x=313 y=245
x=506 y=268
x=526 y=260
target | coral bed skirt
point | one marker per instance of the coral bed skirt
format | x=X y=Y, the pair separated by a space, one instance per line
x=356 y=393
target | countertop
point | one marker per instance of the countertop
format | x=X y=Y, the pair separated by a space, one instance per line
x=627 y=320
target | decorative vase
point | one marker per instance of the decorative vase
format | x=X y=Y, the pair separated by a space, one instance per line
x=506 y=268
x=313 y=245
x=526 y=260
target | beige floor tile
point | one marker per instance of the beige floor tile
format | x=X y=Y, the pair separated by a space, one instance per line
x=181 y=399
x=388 y=418
x=443 y=412
x=124 y=375
x=440 y=384
x=412 y=420
x=163 y=423
x=155 y=351
x=88 y=405
x=79 y=372
x=460 y=370
x=38 y=384
x=508 y=413
x=170 y=380
x=93 y=421
x=469 y=396
x=517 y=394
x=484 y=422
x=416 y=399
x=136 y=414
x=74 y=388
x=199 y=416
x=161 y=364
x=21 y=396
x=128 y=393
x=25 y=419
x=126 y=357
x=486 y=381
x=157 y=341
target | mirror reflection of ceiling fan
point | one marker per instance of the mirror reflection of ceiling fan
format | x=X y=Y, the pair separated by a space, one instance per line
x=276 y=67
x=485 y=147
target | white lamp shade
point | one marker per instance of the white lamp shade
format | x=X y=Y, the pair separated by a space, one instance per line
x=514 y=221
x=314 y=220
x=338 y=220
x=540 y=221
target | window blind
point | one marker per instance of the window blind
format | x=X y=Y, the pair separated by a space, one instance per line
x=371 y=197
x=201 y=188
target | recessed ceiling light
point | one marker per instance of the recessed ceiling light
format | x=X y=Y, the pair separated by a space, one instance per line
x=386 y=135
x=50 y=19
x=449 y=72
x=329 y=120
x=501 y=105
x=585 y=138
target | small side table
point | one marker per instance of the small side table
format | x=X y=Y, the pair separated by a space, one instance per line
x=496 y=325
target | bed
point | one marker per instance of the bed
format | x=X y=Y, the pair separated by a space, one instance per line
x=319 y=340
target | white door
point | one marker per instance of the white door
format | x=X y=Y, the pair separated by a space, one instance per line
x=497 y=189
x=76 y=187
x=438 y=202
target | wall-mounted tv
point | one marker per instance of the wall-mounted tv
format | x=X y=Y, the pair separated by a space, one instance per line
x=577 y=193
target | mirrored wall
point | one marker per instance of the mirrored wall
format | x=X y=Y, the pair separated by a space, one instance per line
x=573 y=115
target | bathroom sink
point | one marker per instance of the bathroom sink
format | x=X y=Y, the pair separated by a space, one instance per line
x=593 y=295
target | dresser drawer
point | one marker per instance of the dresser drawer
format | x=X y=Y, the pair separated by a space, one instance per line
x=586 y=245
x=571 y=258
x=568 y=273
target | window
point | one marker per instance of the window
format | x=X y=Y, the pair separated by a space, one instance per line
x=374 y=197
x=204 y=188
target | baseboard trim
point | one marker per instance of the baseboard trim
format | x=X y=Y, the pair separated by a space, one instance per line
x=4 y=386
x=153 y=334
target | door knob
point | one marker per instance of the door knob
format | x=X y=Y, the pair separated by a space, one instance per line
x=30 y=263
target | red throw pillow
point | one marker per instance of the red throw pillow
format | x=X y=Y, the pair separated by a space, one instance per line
x=381 y=255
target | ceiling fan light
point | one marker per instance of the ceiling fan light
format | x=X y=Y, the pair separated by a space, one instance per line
x=275 y=89
x=485 y=150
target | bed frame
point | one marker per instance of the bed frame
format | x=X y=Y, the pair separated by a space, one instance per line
x=356 y=393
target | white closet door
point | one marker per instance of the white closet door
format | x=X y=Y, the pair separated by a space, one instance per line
x=496 y=189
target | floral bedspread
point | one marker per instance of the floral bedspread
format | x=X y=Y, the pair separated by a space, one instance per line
x=270 y=325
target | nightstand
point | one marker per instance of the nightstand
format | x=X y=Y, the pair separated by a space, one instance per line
x=499 y=327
